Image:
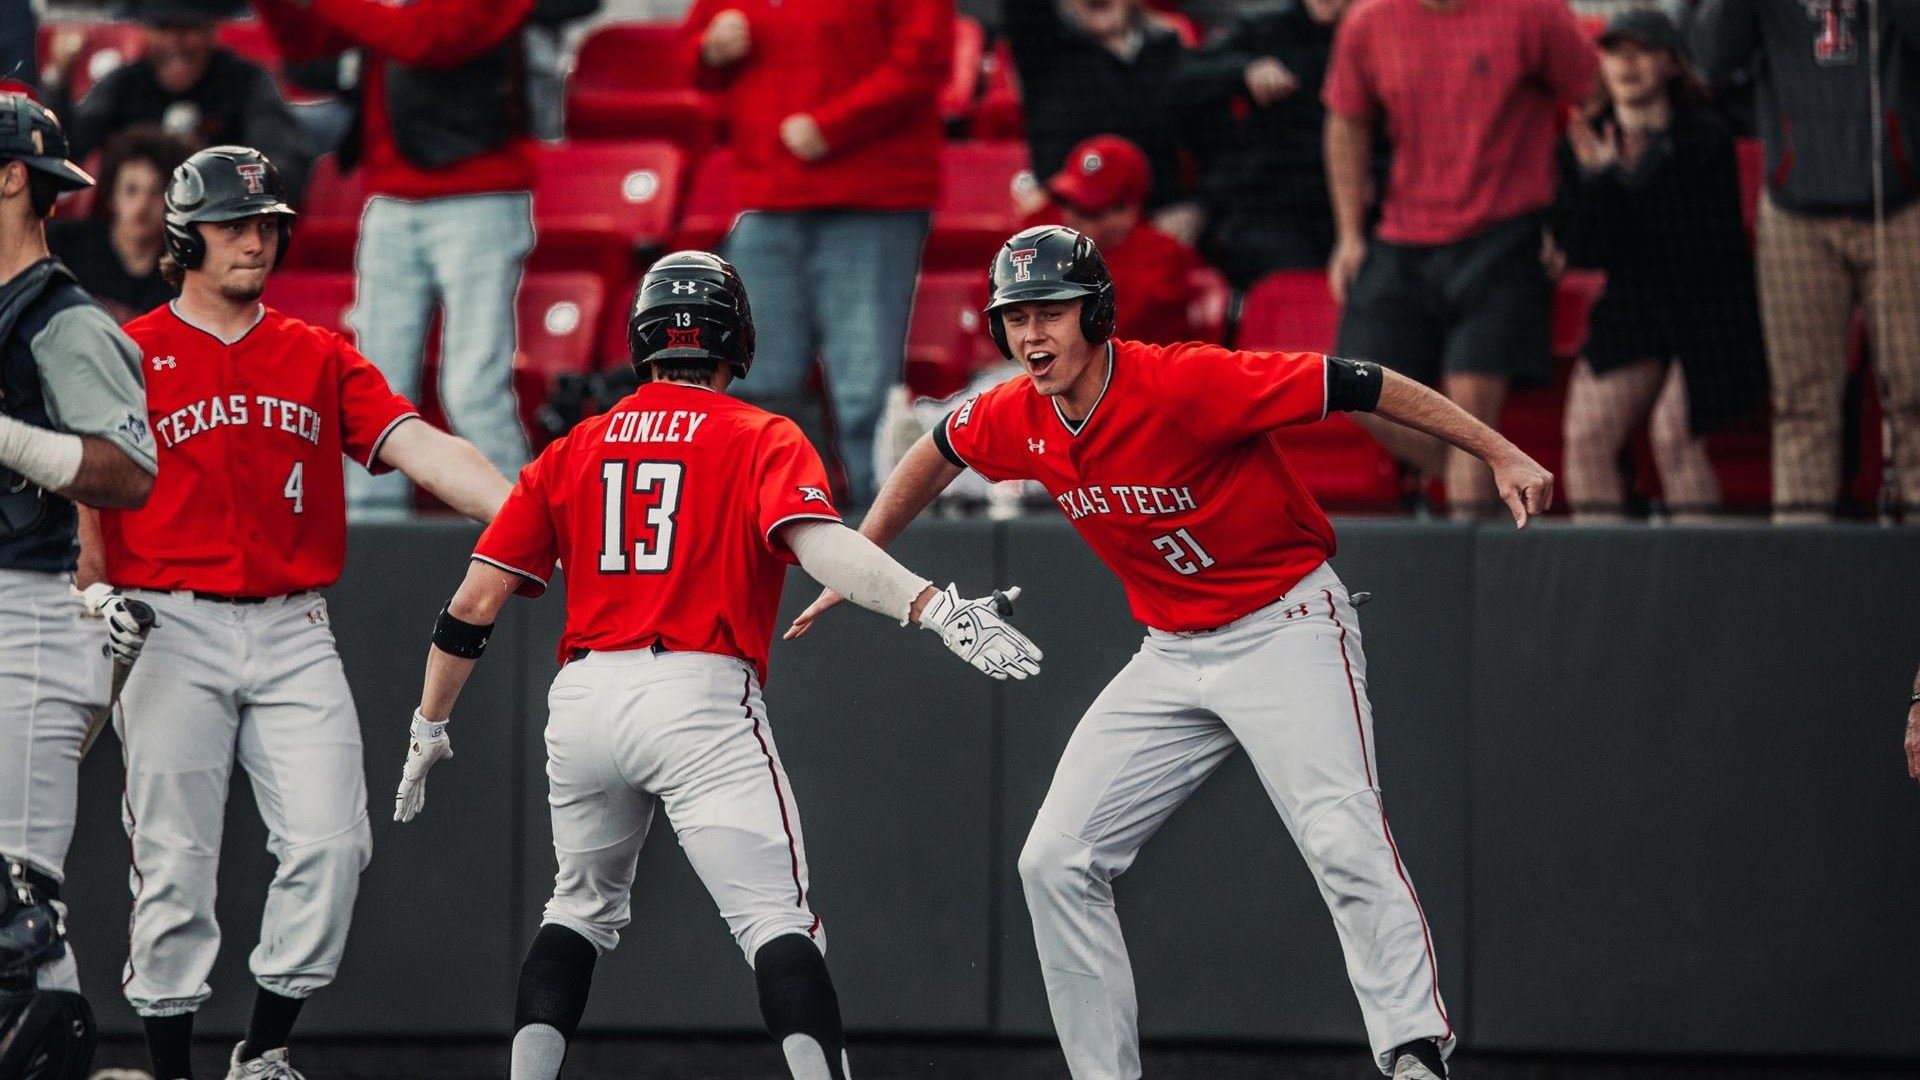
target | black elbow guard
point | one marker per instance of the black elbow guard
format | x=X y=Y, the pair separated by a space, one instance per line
x=461 y=639
x=1352 y=385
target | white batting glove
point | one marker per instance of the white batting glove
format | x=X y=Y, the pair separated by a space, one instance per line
x=428 y=745
x=125 y=636
x=978 y=632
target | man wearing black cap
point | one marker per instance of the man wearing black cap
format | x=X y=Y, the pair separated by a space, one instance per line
x=188 y=84
x=72 y=429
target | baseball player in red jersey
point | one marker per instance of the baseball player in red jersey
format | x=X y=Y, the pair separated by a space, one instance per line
x=251 y=411
x=675 y=515
x=1162 y=458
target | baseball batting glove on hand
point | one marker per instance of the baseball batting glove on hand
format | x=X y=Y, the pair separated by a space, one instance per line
x=978 y=632
x=428 y=745
x=125 y=636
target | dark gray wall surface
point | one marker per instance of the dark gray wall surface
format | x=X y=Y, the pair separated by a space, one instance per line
x=1647 y=781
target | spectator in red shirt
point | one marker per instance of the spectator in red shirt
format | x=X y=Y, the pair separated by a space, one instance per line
x=1452 y=291
x=1101 y=192
x=834 y=111
x=449 y=168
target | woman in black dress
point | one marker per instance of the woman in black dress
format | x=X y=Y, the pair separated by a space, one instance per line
x=116 y=252
x=1650 y=194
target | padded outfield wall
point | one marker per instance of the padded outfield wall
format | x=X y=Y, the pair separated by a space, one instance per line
x=1648 y=781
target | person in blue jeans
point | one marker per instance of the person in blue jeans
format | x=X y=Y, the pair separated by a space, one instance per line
x=834 y=114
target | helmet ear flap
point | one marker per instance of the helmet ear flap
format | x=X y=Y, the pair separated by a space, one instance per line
x=998 y=329
x=1097 y=314
x=185 y=244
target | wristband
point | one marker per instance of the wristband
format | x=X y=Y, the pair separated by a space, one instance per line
x=461 y=639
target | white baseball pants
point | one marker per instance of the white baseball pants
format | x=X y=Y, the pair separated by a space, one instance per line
x=53 y=675
x=1289 y=683
x=628 y=731
x=262 y=682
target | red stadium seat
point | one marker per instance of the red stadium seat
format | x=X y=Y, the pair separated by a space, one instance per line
x=709 y=207
x=596 y=206
x=1573 y=300
x=630 y=81
x=560 y=321
x=946 y=341
x=1341 y=464
x=1290 y=309
x=976 y=212
x=1752 y=157
x=320 y=297
x=104 y=46
x=1212 y=303
x=963 y=81
x=329 y=223
x=1000 y=116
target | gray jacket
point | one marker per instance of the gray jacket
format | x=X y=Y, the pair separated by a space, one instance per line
x=1808 y=63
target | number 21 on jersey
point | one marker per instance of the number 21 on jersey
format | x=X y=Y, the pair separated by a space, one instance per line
x=618 y=480
x=1183 y=552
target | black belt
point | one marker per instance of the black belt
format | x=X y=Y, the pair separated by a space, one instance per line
x=221 y=599
x=44 y=887
x=580 y=654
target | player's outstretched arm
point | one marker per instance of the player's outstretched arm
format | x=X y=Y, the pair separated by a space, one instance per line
x=459 y=637
x=449 y=466
x=920 y=477
x=853 y=566
x=1523 y=484
x=81 y=467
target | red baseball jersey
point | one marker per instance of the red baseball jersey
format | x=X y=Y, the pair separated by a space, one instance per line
x=1174 y=478
x=662 y=512
x=250 y=497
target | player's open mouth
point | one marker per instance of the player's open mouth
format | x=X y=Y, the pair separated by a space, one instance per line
x=1038 y=363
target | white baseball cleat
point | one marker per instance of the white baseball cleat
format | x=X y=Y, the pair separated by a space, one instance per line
x=1419 y=1061
x=271 y=1065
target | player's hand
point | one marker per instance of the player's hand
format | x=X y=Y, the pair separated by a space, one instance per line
x=1913 y=742
x=1344 y=266
x=1524 y=486
x=727 y=40
x=127 y=620
x=978 y=632
x=801 y=135
x=803 y=622
x=429 y=743
x=1268 y=80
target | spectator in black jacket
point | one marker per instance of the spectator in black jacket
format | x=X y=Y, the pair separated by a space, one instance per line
x=1264 y=174
x=1103 y=67
x=116 y=252
x=1650 y=193
x=188 y=84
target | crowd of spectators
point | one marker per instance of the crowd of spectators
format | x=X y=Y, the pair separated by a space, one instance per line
x=1444 y=161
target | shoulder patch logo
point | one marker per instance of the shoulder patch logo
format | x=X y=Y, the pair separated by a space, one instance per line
x=813 y=494
x=133 y=428
x=966 y=412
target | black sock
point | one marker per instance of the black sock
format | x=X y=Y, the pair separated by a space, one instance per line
x=554 y=980
x=273 y=1017
x=797 y=998
x=1428 y=1051
x=170 y=1044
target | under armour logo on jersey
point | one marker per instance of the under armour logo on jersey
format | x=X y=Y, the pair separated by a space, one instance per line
x=1037 y=446
x=255 y=176
x=1023 y=263
x=813 y=494
x=688 y=338
x=163 y=362
x=1299 y=609
x=685 y=288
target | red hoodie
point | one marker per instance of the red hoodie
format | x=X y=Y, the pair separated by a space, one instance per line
x=425 y=33
x=869 y=72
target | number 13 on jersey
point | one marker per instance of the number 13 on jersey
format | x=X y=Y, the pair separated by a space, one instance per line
x=618 y=555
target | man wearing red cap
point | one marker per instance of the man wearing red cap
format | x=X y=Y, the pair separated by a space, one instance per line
x=1101 y=192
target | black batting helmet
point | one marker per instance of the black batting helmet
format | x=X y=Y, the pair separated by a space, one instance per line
x=222 y=183
x=44 y=1034
x=31 y=135
x=691 y=305
x=1051 y=262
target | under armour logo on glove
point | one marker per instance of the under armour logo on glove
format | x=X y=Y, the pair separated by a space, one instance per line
x=977 y=631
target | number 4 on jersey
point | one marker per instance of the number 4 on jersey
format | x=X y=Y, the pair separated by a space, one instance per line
x=614 y=548
x=296 y=487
